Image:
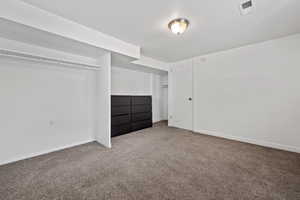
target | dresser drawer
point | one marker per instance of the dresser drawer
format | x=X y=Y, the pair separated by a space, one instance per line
x=121 y=119
x=141 y=100
x=141 y=116
x=141 y=124
x=120 y=100
x=120 y=110
x=120 y=130
x=141 y=108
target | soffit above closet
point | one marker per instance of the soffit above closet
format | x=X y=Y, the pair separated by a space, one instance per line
x=26 y=34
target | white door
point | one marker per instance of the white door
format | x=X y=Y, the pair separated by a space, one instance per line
x=181 y=86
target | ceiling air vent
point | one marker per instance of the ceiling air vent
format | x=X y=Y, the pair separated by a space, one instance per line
x=246 y=6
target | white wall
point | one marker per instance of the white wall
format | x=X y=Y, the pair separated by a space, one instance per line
x=251 y=93
x=159 y=97
x=164 y=96
x=43 y=108
x=130 y=82
x=102 y=104
x=156 y=98
x=133 y=82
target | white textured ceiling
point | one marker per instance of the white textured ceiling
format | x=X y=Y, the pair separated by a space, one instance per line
x=215 y=25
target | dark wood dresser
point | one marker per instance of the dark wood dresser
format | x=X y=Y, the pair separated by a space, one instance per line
x=130 y=113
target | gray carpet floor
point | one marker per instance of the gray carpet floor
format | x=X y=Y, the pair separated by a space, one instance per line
x=157 y=163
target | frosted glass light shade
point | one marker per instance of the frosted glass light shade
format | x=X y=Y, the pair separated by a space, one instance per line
x=178 y=26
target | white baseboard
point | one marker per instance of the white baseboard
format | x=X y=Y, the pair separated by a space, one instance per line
x=159 y=121
x=251 y=141
x=18 y=158
x=108 y=145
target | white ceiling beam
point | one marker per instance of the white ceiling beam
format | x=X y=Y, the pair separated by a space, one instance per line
x=152 y=63
x=23 y=13
x=26 y=51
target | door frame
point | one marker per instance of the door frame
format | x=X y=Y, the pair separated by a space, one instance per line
x=170 y=94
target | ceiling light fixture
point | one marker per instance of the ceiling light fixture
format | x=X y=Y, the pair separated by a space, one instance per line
x=178 y=26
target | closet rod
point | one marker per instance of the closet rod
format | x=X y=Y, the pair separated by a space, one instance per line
x=48 y=60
